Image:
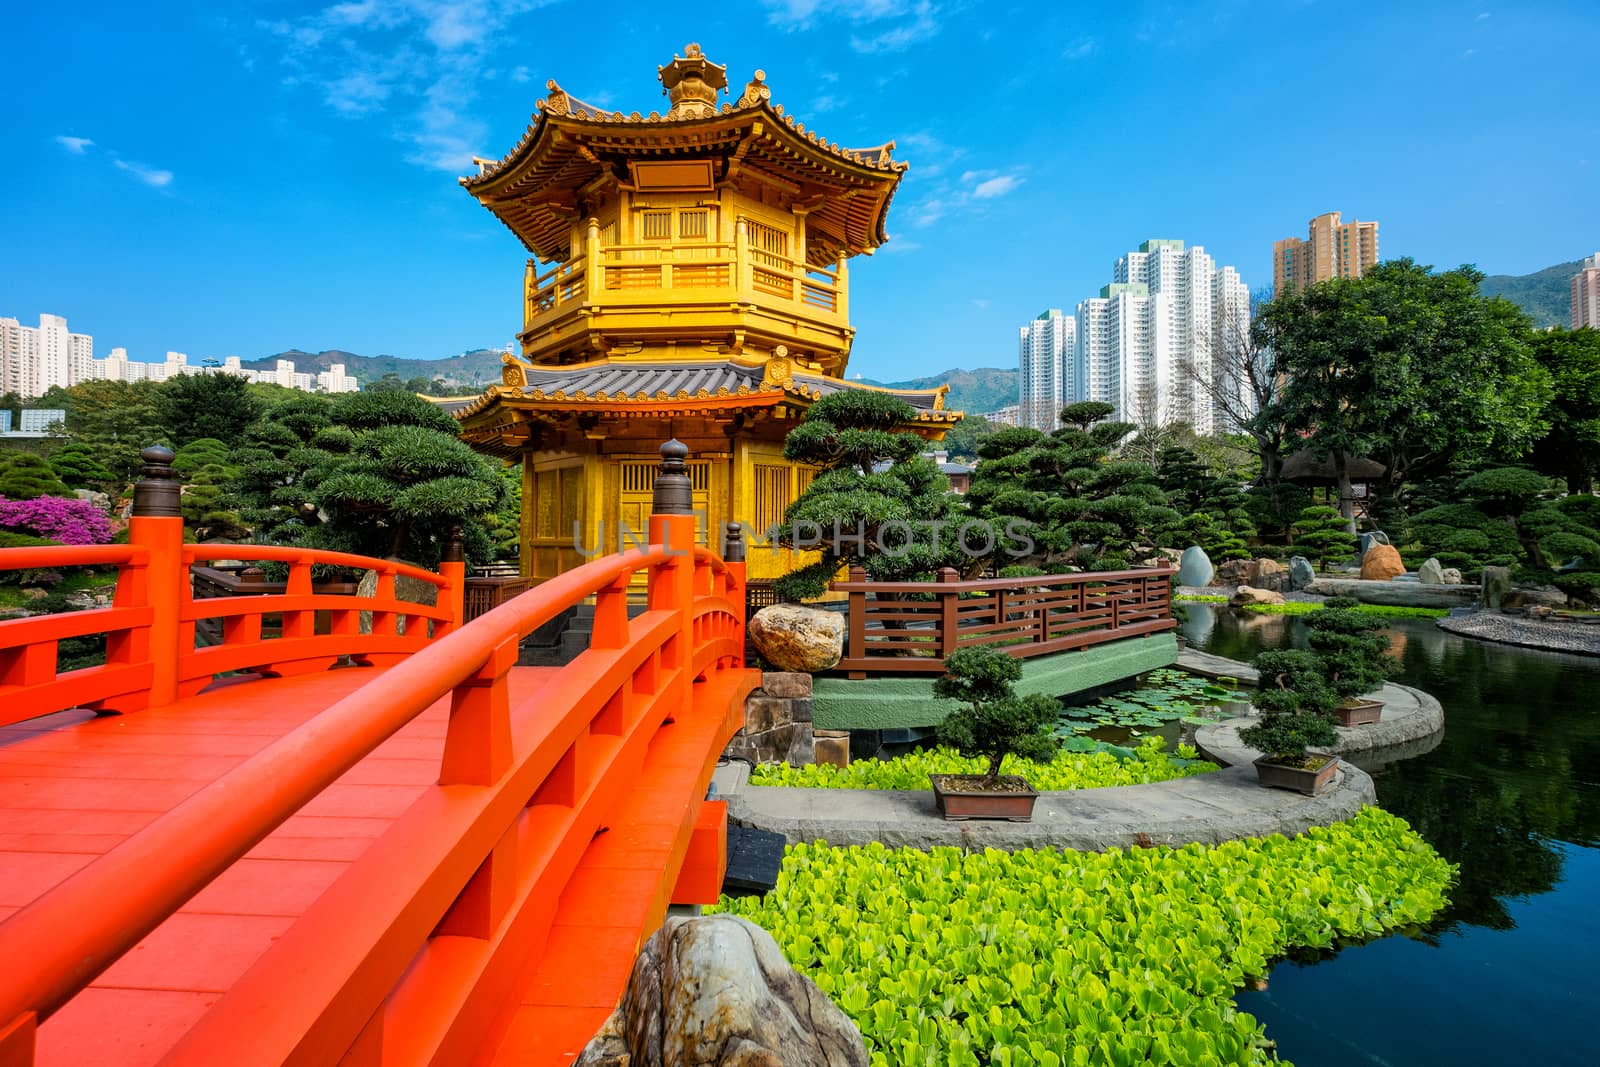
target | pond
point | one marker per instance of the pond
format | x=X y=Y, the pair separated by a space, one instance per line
x=1511 y=792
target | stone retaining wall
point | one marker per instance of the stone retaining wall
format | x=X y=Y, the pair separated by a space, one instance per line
x=777 y=723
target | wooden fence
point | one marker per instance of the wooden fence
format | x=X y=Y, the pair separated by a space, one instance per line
x=896 y=627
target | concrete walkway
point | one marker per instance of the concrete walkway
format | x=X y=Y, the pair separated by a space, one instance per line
x=1207 y=808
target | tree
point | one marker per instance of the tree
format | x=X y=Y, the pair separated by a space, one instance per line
x=1413 y=368
x=1295 y=703
x=1571 y=450
x=995 y=722
x=877 y=502
x=1353 y=648
x=1074 y=503
x=192 y=406
x=1243 y=386
x=24 y=476
x=78 y=466
x=1320 y=533
x=962 y=442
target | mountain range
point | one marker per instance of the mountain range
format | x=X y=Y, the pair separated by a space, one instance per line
x=1545 y=295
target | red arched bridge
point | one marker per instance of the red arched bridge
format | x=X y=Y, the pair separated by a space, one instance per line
x=352 y=829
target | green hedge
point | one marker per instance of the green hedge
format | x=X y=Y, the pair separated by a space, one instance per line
x=1068 y=770
x=1057 y=957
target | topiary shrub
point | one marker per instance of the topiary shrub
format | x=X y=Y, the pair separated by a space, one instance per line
x=1321 y=533
x=1295 y=703
x=996 y=722
x=1351 y=646
x=1581 y=586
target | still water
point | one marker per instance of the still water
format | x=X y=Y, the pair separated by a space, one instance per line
x=1510 y=972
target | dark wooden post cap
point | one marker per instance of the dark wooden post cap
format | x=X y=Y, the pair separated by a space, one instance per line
x=156 y=493
x=672 y=494
x=455 y=549
x=733 y=544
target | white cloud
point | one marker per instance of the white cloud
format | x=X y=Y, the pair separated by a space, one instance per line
x=888 y=25
x=820 y=105
x=1482 y=15
x=420 y=61
x=993 y=187
x=981 y=303
x=1469 y=53
x=1082 y=48
x=151 y=176
x=76 y=145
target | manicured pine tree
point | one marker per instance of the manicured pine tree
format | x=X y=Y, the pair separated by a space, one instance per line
x=1321 y=533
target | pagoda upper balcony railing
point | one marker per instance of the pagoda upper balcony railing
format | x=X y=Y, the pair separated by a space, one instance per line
x=643 y=275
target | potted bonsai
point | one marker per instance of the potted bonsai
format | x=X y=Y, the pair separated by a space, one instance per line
x=1355 y=660
x=994 y=724
x=1296 y=708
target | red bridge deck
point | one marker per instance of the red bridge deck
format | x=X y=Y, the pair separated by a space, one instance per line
x=432 y=856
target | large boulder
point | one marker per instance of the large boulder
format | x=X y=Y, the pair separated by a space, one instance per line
x=716 y=992
x=1246 y=595
x=1268 y=574
x=1235 y=572
x=1431 y=572
x=1370 y=538
x=1301 y=572
x=1450 y=576
x=1398 y=594
x=406 y=588
x=1194 y=567
x=1381 y=563
x=796 y=638
x=1496 y=584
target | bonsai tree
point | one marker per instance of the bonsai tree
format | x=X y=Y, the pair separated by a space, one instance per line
x=1321 y=533
x=1295 y=704
x=1352 y=648
x=996 y=722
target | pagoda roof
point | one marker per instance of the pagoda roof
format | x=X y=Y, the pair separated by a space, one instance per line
x=534 y=189
x=656 y=388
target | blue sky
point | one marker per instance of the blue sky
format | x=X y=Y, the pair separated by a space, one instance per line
x=239 y=179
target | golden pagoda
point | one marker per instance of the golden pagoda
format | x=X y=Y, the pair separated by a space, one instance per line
x=695 y=286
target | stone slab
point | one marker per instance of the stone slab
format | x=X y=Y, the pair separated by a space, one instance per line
x=901 y=701
x=1397 y=594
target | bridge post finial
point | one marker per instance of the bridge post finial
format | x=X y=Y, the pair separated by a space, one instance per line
x=455 y=549
x=673 y=493
x=733 y=543
x=156 y=493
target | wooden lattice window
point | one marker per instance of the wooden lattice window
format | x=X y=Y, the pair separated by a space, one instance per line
x=773 y=495
x=694 y=223
x=656 y=225
x=640 y=477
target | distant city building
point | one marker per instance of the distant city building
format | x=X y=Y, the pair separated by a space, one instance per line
x=34 y=359
x=1044 y=354
x=1586 y=294
x=40 y=420
x=1331 y=250
x=1155 y=343
x=5 y=420
x=1010 y=415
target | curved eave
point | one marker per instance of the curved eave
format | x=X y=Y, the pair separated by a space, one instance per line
x=537 y=164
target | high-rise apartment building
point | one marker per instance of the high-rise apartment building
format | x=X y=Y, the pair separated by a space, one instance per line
x=1332 y=249
x=1154 y=343
x=1046 y=382
x=1586 y=294
x=32 y=359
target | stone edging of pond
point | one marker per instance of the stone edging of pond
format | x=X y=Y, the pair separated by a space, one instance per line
x=1573 y=638
x=1408 y=715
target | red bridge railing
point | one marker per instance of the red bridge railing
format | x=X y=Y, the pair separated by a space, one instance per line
x=911 y=626
x=418 y=943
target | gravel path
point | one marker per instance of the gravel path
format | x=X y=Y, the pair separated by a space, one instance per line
x=1582 y=639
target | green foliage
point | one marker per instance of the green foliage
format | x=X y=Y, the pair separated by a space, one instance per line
x=864 y=516
x=995 y=722
x=1320 y=534
x=1305 y=607
x=78 y=466
x=1066 y=770
x=1504 y=490
x=1353 y=648
x=1274 y=508
x=193 y=406
x=12 y=539
x=1412 y=367
x=965 y=437
x=947 y=957
x=1215 y=513
x=1571 y=450
x=25 y=476
x=1166 y=695
x=1295 y=703
x=369 y=411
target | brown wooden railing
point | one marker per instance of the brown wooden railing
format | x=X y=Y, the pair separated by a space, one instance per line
x=897 y=627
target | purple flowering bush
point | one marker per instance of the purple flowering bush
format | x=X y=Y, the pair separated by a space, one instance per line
x=66 y=520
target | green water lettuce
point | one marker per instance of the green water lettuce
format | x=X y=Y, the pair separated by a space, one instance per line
x=1071 y=958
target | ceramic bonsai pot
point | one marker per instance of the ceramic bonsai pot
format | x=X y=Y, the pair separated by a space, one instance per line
x=1359 y=712
x=956 y=797
x=1307 y=780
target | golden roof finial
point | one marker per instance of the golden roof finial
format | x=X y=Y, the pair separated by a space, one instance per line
x=692 y=84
